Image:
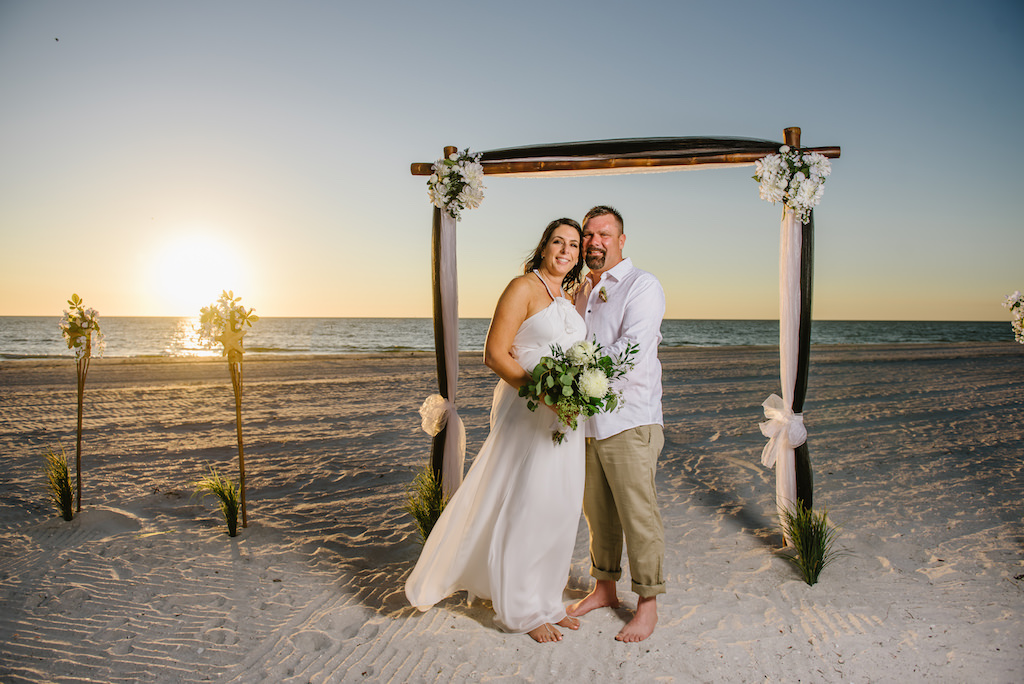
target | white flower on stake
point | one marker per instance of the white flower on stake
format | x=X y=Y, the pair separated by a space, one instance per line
x=1015 y=303
x=80 y=328
x=223 y=322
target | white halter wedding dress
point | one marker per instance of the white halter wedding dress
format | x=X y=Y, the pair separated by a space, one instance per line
x=508 y=533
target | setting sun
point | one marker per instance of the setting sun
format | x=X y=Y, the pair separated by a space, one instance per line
x=191 y=270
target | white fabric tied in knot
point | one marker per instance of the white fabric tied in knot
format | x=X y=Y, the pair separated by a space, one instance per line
x=784 y=429
x=434 y=414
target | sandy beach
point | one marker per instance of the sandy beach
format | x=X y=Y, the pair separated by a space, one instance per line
x=917 y=450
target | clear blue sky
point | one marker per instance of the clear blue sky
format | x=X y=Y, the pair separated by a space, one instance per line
x=154 y=153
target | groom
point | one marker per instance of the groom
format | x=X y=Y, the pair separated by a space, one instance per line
x=622 y=305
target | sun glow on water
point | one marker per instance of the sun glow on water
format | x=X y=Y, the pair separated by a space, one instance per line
x=185 y=341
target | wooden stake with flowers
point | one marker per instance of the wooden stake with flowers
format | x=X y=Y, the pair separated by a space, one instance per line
x=81 y=330
x=1015 y=303
x=224 y=322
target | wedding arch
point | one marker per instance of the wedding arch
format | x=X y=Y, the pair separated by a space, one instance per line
x=786 y=449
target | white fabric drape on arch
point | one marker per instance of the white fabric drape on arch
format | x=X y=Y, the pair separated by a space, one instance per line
x=785 y=429
x=437 y=411
x=455 y=442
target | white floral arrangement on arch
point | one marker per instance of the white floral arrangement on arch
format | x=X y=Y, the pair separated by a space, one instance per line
x=794 y=177
x=457 y=183
x=81 y=329
x=1015 y=303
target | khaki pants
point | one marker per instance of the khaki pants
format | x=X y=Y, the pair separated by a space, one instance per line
x=620 y=500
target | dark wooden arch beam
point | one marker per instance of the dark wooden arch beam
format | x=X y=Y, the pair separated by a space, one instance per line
x=624 y=155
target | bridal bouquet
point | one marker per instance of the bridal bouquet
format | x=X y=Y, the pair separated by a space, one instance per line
x=1015 y=303
x=457 y=183
x=795 y=177
x=576 y=382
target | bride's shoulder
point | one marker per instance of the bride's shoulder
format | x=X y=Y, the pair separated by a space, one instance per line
x=524 y=284
x=518 y=292
x=526 y=294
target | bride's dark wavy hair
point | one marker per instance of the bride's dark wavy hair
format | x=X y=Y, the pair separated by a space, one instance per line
x=572 y=279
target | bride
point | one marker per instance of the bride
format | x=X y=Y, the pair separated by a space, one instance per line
x=508 y=533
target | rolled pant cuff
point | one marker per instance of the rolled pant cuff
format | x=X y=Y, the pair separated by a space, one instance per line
x=648 y=590
x=605 y=575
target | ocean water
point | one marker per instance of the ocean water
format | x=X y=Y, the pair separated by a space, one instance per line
x=35 y=336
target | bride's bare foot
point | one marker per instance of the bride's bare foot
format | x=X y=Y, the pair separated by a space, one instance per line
x=545 y=633
x=602 y=596
x=643 y=622
x=569 y=622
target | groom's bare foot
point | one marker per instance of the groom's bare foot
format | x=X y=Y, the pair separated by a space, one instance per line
x=643 y=622
x=545 y=633
x=569 y=622
x=602 y=596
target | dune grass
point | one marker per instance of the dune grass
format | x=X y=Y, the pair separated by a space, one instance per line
x=813 y=540
x=59 y=481
x=424 y=501
x=227 y=494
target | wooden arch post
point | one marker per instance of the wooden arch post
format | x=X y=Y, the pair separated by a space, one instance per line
x=440 y=336
x=804 y=475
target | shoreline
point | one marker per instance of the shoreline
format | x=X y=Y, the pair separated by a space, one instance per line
x=915 y=450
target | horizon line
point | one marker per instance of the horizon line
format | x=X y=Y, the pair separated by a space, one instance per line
x=471 y=318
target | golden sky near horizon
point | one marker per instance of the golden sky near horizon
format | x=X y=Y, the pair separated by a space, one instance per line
x=156 y=154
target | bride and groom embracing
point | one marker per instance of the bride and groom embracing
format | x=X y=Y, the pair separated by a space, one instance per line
x=508 y=533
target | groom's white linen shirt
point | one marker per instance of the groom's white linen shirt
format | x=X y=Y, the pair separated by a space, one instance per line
x=631 y=312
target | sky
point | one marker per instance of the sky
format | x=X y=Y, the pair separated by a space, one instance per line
x=153 y=154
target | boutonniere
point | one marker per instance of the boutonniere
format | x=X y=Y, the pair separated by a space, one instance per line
x=603 y=294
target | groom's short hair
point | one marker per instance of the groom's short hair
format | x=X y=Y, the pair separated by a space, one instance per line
x=603 y=210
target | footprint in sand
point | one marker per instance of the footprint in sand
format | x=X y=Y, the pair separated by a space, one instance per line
x=71 y=600
x=221 y=636
x=349 y=631
x=214 y=623
x=111 y=631
x=123 y=647
x=36 y=599
x=312 y=641
x=368 y=631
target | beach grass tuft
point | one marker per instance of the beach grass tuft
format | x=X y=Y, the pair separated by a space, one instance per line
x=813 y=540
x=424 y=501
x=59 y=480
x=227 y=494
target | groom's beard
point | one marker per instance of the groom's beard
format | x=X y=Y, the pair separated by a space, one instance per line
x=595 y=259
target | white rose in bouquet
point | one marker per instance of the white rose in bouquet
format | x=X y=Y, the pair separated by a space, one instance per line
x=582 y=353
x=593 y=383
